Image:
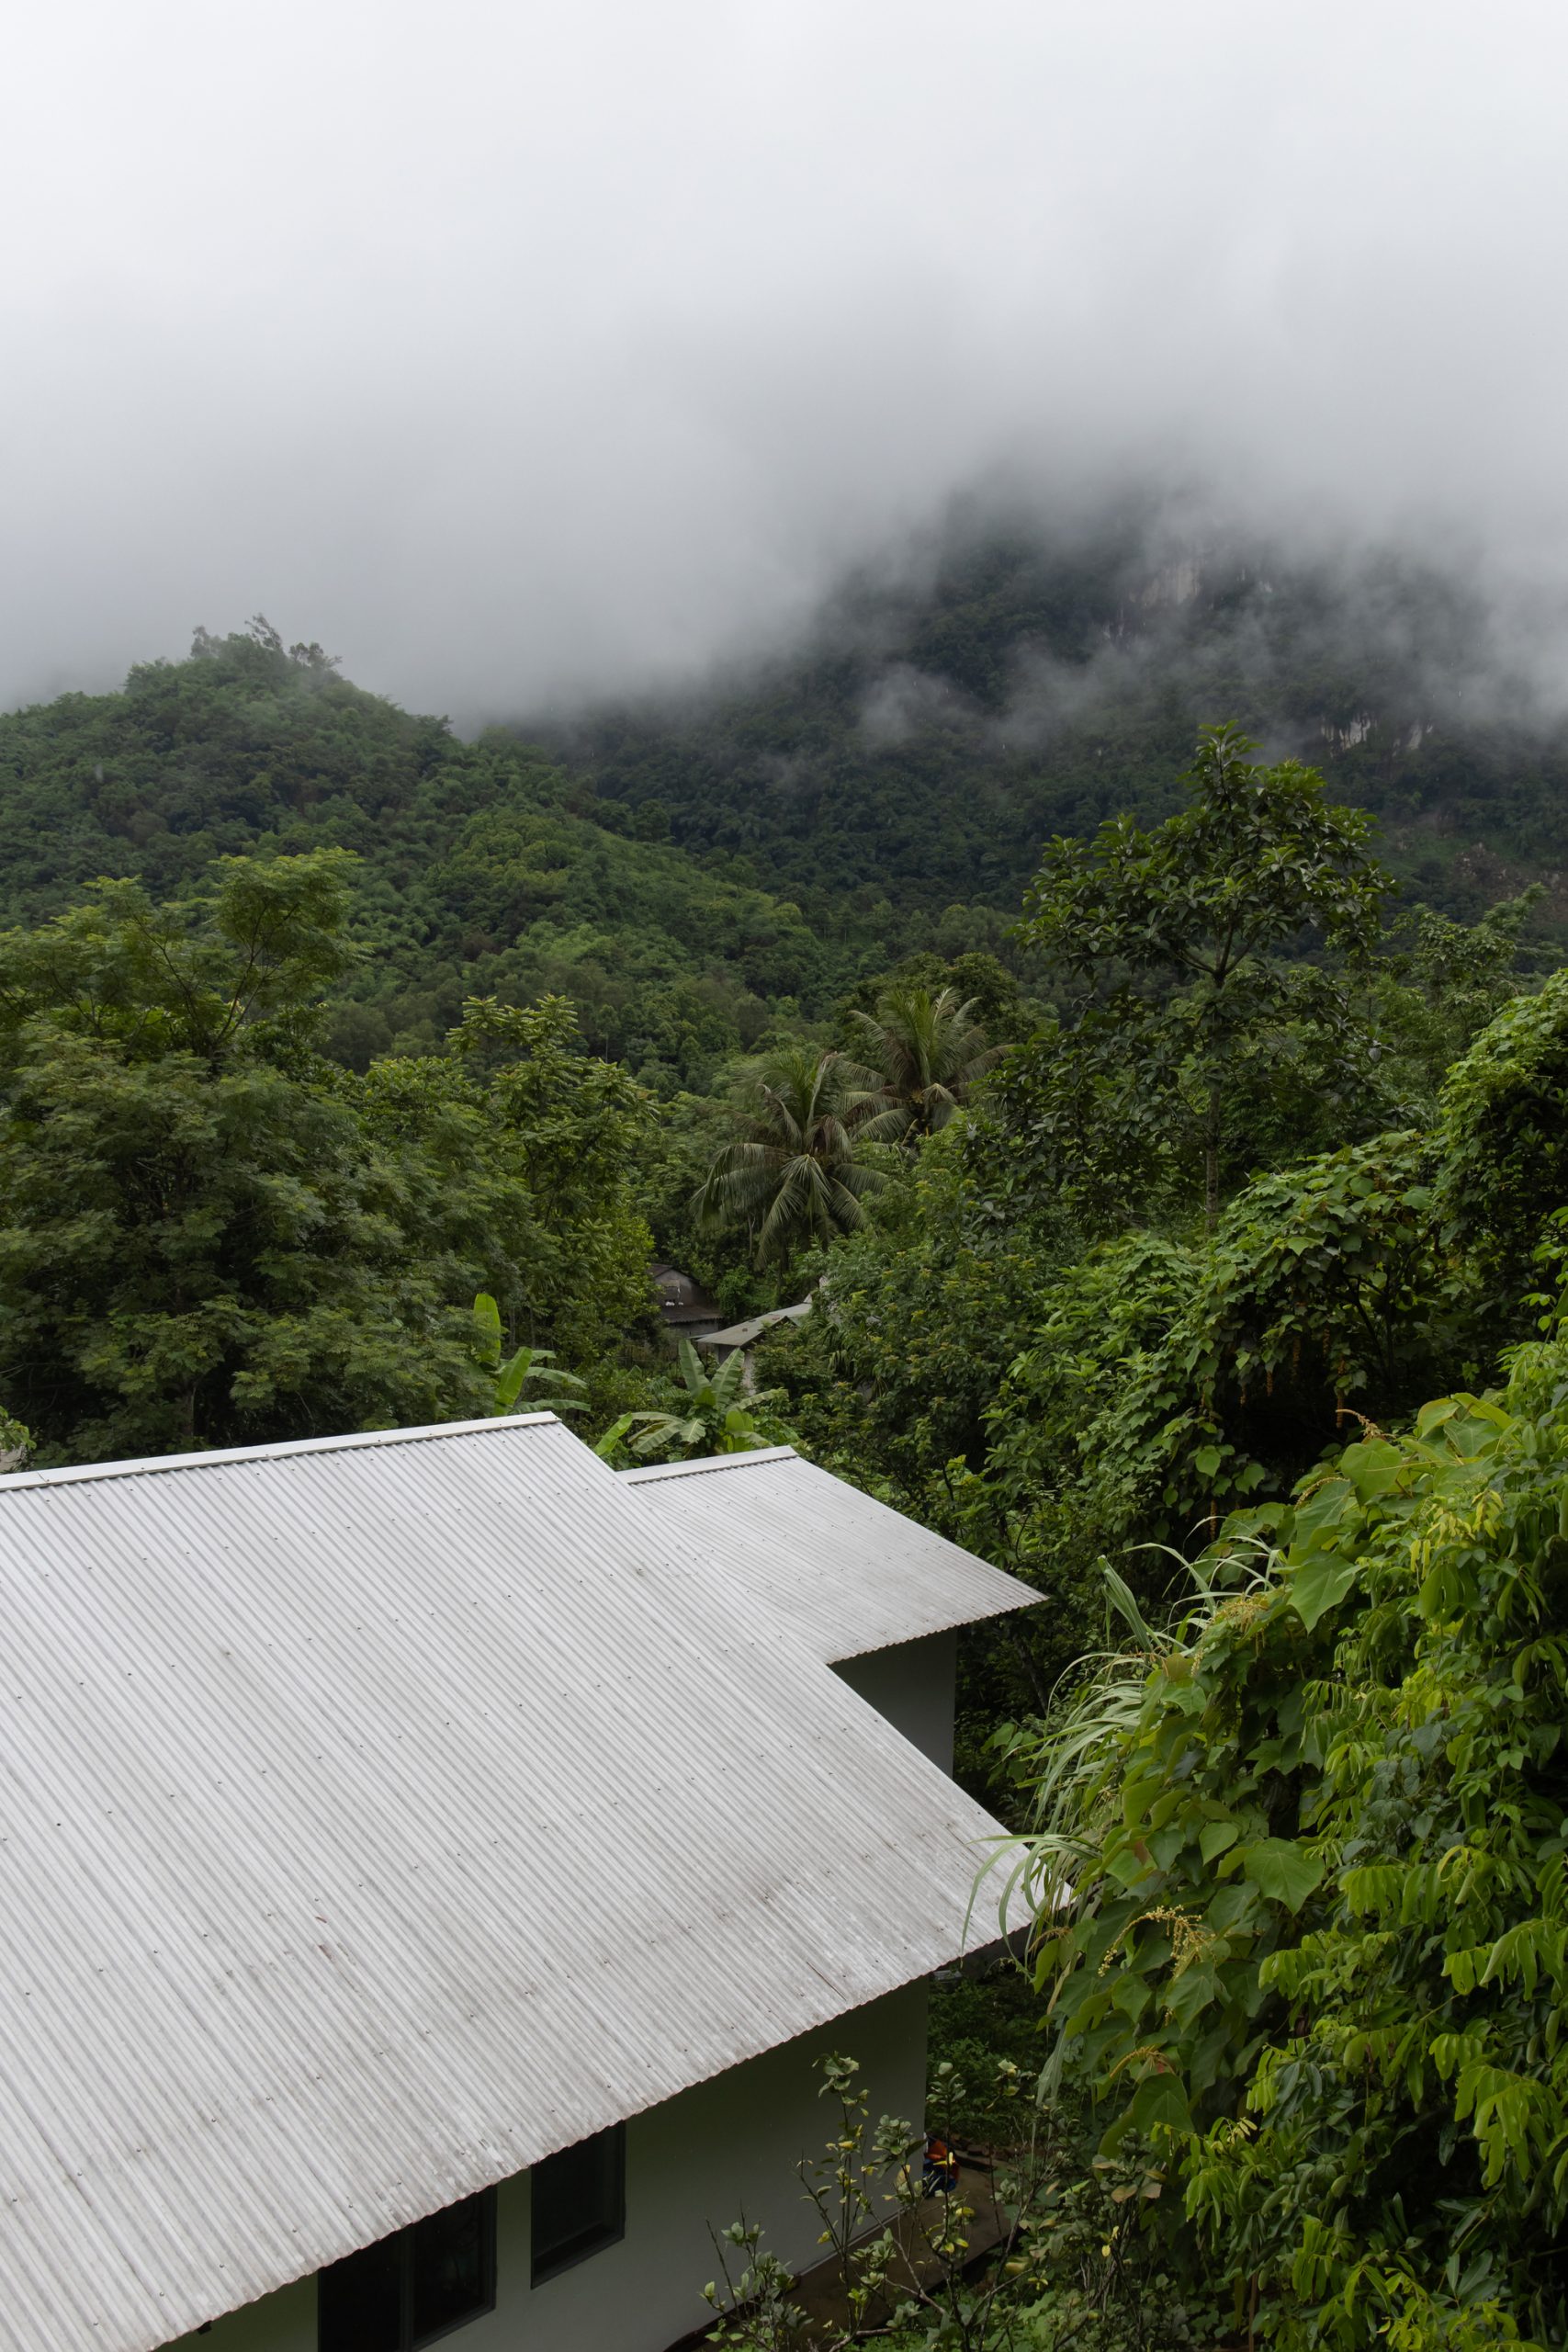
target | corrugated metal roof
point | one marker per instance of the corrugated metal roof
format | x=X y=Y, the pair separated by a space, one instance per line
x=741 y=1335
x=844 y=1572
x=377 y=1818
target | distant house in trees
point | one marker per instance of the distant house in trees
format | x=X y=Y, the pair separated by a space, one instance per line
x=684 y=1307
x=430 y=1864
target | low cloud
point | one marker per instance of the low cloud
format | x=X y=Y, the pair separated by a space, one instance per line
x=522 y=355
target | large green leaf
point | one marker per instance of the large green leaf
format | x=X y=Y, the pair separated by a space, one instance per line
x=1284 y=1871
x=487 y=1330
x=1318 y=1584
x=1372 y=1466
x=1215 y=1835
x=1160 y=2098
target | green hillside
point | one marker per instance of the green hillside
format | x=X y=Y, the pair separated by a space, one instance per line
x=485 y=870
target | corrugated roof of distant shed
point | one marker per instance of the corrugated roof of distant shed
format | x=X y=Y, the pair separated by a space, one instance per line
x=742 y=1335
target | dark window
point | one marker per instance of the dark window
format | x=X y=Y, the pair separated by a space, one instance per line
x=451 y=2268
x=359 y=2303
x=408 y=2290
x=580 y=2202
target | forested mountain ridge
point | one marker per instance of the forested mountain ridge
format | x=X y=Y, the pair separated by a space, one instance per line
x=936 y=729
x=483 y=869
x=892 y=783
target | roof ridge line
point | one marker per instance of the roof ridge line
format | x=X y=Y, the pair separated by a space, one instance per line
x=216 y=1457
x=708 y=1462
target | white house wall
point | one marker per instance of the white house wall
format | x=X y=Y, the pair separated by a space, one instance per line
x=913 y=1684
x=728 y=2147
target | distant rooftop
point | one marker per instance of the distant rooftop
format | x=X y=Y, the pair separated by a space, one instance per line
x=744 y=1335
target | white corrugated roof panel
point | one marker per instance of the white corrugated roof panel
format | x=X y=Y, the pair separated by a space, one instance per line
x=741 y=1335
x=378 y=1816
x=846 y=1573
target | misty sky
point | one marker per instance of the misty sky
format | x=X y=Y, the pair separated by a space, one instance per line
x=515 y=350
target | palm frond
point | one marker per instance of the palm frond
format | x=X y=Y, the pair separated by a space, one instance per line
x=928 y=1051
x=794 y=1169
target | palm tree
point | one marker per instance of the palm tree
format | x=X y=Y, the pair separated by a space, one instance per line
x=929 y=1051
x=798 y=1171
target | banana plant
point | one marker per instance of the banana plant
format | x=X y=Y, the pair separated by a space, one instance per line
x=709 y=1416
x=518 y=1371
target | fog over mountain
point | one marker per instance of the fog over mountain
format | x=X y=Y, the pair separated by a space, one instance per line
x=520 y=354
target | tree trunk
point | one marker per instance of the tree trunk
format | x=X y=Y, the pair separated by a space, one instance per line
x=1026 y=1660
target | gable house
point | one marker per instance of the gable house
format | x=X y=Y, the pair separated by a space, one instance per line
x=430 y=1866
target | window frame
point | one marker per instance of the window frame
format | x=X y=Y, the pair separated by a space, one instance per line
x=403 y=2240
x=583 y=2247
